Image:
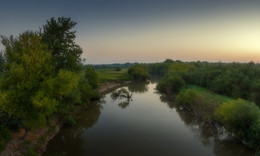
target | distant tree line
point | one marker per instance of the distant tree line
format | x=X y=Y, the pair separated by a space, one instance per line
x=112 y=66
x=237 y=80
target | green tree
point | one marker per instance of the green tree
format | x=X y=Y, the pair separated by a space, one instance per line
x=171 y=84
x=28 y=66
x=64 y=88
x=138 y=72
x=91 y=77
x=59 y=37
x=241 y=118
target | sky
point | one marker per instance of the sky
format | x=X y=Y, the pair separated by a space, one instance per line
x=119 y=31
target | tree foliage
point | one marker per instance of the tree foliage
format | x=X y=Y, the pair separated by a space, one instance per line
x=59 y=37
x=241 y=118
x=237 y=80
x=40 y=75
x=91 y=76
x=28 y=67
x=2 y=61
x=171 y=84
x=138 y=72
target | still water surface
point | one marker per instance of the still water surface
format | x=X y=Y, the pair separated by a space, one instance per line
x=147 y=125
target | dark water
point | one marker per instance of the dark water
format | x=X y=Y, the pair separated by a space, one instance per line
x=148 y=125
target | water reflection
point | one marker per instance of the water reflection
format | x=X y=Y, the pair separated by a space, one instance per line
x=147 y=127
x=135 y=87
x=122 y=94
x=70 y=136
x=210 y=135
x=138 y=87
x=124 y=104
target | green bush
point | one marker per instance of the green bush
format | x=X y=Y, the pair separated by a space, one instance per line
x=138 y=72
x=242 y=119
x=70 y=121
x=197 y=104
x=87 y=91
x=171 y=84
x=186 y=97
x=91 y=76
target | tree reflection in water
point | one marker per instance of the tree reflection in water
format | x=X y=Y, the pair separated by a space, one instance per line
x=210 y=135
x=73 y=135
x=125 y=104
x=138 y=87
x=122 y=94
x=135 y=87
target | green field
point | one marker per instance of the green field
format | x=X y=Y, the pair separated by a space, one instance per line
x=106 y=75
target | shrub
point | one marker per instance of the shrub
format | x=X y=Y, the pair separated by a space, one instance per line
x=171 y=84
x=241 y=118
x=91 y=76
x=70 y=121
x=186 y=97
x=138 y=72
x=87 y=91
x=197 y=104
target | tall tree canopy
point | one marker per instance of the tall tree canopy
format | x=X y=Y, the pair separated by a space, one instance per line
x=27 y=69
x=59 y=37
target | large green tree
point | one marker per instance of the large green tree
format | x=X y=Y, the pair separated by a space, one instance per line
x=27 y=68
x=59 y=37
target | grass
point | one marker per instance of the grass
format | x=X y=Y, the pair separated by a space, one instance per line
x=209 y=94
x=107 y=75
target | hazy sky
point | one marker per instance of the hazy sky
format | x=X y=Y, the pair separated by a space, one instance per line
x=112 y=31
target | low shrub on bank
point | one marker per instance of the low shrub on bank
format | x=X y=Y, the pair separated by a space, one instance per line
x=69 y=121
x=242 y=119
x=197 y=104
x=171 y=84
x=138 y=72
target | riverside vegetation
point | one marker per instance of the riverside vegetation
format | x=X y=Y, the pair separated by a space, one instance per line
x=42 y=78
x=237 y=106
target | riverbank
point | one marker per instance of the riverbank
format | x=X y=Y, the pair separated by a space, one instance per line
x=35 y=141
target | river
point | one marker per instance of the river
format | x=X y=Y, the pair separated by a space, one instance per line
x=146 y=125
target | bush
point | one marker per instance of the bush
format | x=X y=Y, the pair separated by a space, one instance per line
x=171 y=84
x=70 y=121
x=91 y=76
x=197 y=104
x=138 y=72
x=242 y=119
x=186 y=98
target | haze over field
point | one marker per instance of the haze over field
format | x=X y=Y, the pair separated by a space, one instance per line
x=148 y=30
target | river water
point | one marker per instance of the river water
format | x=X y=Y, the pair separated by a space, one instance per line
x=147 y=125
